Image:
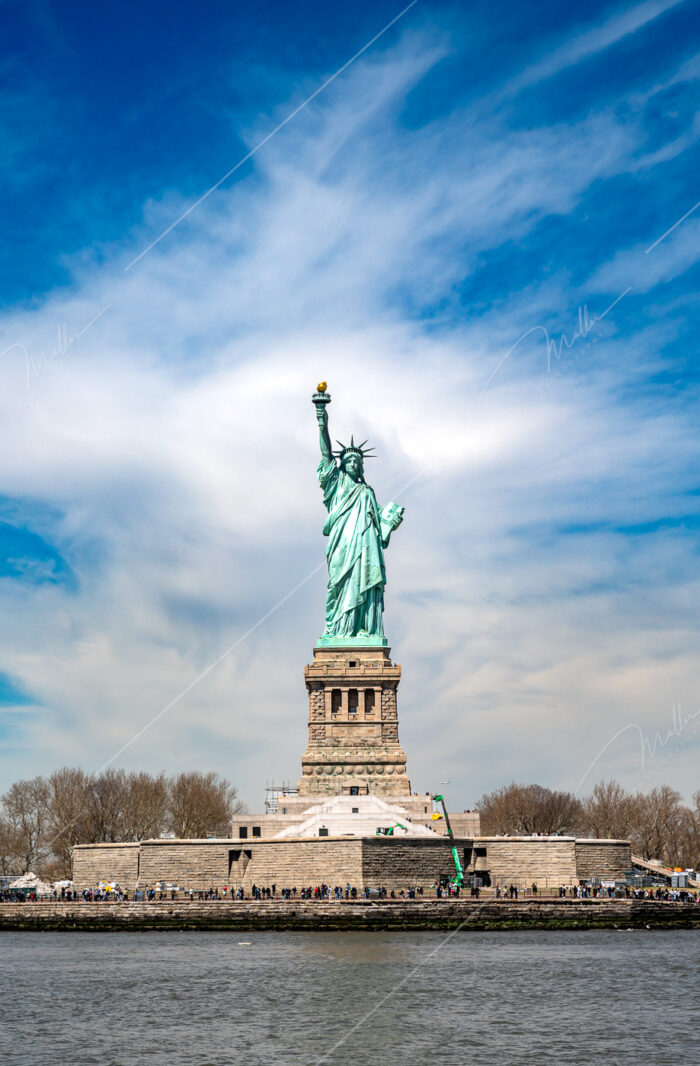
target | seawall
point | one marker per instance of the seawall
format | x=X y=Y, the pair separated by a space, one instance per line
x=467 y=915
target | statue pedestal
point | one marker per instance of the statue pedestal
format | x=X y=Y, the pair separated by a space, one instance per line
x=353 y=744
x=352 y=642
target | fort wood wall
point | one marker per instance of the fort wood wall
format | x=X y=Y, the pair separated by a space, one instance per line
x=603 y=858
x=393 y=862
x=544 y=860
x=192 y=864
x=551 y=861
x=303 y=863
x=106 y=862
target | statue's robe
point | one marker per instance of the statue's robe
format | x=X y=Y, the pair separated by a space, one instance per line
x=356 y=574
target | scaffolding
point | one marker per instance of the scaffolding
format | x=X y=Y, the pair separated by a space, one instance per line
x=274 y=792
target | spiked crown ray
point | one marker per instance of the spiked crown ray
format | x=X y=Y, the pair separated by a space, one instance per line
x=352 y=448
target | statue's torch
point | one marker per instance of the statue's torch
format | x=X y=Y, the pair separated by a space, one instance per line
x=321 y=398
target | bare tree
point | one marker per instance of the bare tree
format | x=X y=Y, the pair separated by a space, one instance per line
x=66 y=806
x=145 y=809
x=528 y=809
x=690 y=850
x=609 y=811
x=656 y=823
x=104 y=809
x=201 y=805
x=24 y=810
x=9 y=847
x=42 y=819
x=687 y=853
x=655 y=832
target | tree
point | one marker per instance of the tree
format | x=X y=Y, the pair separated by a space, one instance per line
x=125 y=806
x=25 y=818
x=609 y=811
x=9 y=847
x=657 y=822
x=104 y=808
x=688 y=846
x=145 y=808
x=42 y=819
x=529 y=809
x=200 y=805
x=67 y=798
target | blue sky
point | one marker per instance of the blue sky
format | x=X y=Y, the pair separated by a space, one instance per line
x=484 y=234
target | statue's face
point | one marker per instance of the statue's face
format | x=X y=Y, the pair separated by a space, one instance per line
x=352 y=465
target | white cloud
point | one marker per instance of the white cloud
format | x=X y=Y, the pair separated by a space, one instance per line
x=643 y=269
x=177 y=443
x=582 y=45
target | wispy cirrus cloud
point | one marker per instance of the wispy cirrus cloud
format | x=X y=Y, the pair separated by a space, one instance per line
x=585 y=43
x=544 y=579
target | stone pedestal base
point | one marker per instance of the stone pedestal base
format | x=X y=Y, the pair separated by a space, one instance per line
x=353 y=744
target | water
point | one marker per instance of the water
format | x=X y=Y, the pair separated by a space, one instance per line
x=205 y=999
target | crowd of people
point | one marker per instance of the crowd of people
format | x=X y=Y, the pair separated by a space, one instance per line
x=323 y=892
x=674 y=895
x=14 y=895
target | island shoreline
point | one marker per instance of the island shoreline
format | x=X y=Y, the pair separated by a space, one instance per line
x=467 y=915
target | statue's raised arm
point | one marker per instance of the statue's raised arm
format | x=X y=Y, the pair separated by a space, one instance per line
x=358 y=532
x=321 y=400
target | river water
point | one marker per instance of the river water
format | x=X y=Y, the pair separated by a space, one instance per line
x=349 y=999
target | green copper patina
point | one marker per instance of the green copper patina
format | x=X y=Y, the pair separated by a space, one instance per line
x=358 y=532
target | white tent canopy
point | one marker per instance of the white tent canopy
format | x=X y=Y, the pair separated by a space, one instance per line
x=33 y=883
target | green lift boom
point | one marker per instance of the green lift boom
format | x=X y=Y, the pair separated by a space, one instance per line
x=458 y=879
x=389 y=830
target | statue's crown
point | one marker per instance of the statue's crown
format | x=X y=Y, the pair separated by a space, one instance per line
x=357 y=449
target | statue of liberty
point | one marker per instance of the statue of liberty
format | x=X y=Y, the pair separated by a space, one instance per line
x=358 y=532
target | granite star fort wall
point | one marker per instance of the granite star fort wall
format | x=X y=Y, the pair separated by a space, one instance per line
x=394 y=862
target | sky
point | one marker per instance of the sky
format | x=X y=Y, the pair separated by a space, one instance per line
x=480 y=224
